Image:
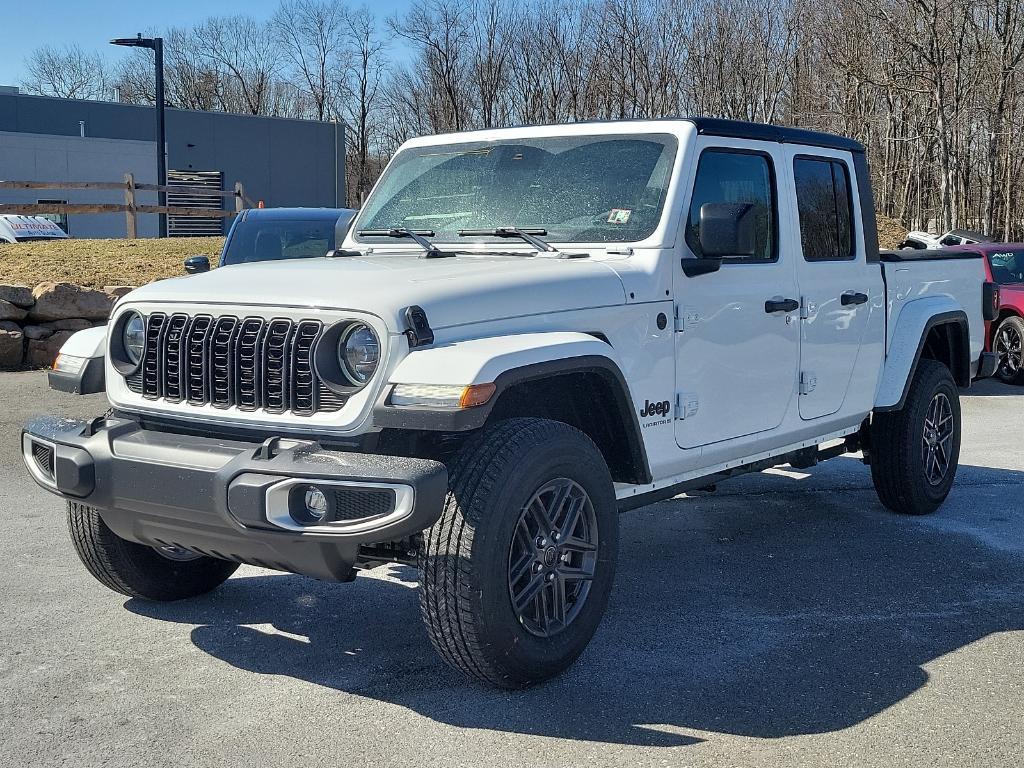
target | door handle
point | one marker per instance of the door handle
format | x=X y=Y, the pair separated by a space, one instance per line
x=781 y=305
x=853 y=297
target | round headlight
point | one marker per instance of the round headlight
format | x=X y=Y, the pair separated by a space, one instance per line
x=134 y=337
x=359 y=353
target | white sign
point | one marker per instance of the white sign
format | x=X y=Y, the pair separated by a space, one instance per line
x=15 y=228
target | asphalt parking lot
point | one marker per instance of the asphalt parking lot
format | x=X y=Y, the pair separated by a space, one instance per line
x=786 y=619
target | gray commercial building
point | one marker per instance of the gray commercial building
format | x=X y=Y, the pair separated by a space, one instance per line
x=279 y=161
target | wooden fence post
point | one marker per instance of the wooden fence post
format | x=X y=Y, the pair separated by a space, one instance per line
x=239 y=197
x=129 y=201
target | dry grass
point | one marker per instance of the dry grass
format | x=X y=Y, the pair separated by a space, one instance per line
x=97 y=263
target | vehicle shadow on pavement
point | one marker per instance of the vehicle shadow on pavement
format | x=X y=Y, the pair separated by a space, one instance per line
x=992 y=388
x=784 y=610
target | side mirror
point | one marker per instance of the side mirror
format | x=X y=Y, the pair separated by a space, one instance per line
x=343 y=225
x=724 y=230
x=196 y=264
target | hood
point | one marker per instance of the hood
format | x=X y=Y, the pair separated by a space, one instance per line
x=453 y=291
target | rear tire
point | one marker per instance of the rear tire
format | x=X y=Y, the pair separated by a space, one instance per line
x=503 y=599
x=915 y=450
x=137 y=570
x=1008 y=344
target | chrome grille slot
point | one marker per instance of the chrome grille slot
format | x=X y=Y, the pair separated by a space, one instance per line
x=247 y=395
x=250 y=364
x=222 y=345
x=151 y=363
x=304 y=389
x=197 y=347
x=172 y=357
x=276 y=360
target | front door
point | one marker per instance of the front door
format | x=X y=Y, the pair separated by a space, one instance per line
x=835 y=281
x=737 y=339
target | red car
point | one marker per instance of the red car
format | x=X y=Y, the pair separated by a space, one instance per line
x=1004 y=264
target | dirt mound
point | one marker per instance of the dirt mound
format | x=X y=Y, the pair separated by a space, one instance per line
x=890 y=232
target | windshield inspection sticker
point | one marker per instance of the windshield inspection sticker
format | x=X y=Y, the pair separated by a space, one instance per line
x=619 y=215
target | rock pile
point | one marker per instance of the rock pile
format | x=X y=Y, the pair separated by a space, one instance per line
x=35 y=323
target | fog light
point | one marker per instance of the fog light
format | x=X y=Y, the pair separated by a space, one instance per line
x=316 y=503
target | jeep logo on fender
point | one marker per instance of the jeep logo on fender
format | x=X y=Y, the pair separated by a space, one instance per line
x=655 y=409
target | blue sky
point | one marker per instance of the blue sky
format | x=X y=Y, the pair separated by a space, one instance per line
x=28 y=24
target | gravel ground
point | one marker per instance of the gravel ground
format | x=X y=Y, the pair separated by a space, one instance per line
x=785 y=620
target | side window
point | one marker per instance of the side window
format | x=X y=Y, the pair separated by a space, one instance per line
x=734 y=176
x=826 y=212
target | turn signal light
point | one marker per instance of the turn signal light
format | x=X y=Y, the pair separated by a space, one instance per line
x=442 y=395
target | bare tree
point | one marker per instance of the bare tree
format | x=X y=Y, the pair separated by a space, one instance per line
x=363 y=76
x=68 y=72
x=310 y=33
x=245 y=52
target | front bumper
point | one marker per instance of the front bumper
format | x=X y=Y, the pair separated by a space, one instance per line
x=233 y=499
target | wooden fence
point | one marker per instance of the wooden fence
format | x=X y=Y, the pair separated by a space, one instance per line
x=130 y=207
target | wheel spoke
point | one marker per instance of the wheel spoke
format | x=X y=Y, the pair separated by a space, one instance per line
x=557 y=504
x=572 y=516
x=529 y=594
x=558 y=601
x=522 y=567
x=575 y=544
x=576 y=574
x=540 y=515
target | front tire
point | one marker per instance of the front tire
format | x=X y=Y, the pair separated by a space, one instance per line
x=139 y=571
x=503 y=599
x=1008 y=344
x=915 y=450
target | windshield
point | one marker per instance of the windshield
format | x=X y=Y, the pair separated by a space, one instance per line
x=273 y=240
x=1007 y=266
x=584 y=189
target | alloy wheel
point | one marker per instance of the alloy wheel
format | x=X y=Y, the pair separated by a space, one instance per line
x=553 y=557
x=938 y=439
x=1010 y=350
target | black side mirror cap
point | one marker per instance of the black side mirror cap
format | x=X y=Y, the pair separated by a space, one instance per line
x=197 y=264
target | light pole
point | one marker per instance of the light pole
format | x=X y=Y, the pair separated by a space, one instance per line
x=156 y=44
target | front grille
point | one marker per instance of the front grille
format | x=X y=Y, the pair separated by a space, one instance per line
x=249 y=363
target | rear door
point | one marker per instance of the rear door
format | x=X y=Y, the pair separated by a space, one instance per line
x=836 y=283
x=737 y=339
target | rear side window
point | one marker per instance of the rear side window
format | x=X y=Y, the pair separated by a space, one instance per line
x=826 y=212
x=733 y=176
x=1007 y=266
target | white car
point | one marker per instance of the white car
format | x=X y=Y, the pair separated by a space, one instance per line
x=19 y=229
x=918 y=240
x=525 y=332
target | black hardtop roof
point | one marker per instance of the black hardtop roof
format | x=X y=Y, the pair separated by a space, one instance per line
x=739 y=129
x=734 y=129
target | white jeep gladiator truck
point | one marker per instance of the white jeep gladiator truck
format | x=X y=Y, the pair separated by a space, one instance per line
x=525 y=332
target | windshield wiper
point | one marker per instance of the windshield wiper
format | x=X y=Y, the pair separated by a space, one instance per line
x=531 y=236
x=419 y=236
